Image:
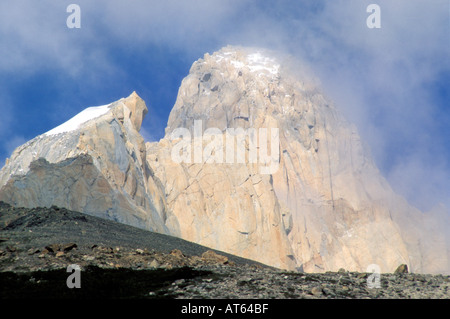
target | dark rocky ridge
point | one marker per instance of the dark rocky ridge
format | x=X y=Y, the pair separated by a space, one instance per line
x=23 y=229
x=120 y=261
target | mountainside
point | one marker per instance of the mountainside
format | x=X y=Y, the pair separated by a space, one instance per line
x=256 y=162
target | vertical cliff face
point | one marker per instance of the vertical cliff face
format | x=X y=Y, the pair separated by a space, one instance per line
x=323 y=206
x=94 y=163
x=256 y=161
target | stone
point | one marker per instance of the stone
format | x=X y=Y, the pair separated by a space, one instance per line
x=59 y=254
x=345 y=280
x=10 y=249
x=53 y=248
x=33 y=251
x=153 y=264
x=316 y=291
x=178 y=282
x=211 y=256
x=177 y=253
x=69 y=247
x=402 y=269
x=88 y=258
x=166 y=266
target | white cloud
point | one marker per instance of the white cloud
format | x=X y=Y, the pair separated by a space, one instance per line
x=422 y=180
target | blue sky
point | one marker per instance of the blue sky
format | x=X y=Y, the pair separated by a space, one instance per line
x=393 y=82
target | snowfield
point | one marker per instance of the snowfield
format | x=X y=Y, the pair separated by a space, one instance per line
x=75 y=122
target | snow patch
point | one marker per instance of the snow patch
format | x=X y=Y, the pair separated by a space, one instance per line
x=256 y=62
x=75 y=122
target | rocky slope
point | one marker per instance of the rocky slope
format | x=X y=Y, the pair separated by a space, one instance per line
x=123 y=262
x=50 y=238
x=256 y=162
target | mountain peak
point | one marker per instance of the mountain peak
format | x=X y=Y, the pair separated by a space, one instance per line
x=239 y=87
x=137 y=109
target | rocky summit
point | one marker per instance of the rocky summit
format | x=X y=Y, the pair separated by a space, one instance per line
x=256 y=162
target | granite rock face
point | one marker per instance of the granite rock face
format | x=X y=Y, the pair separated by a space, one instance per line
x=256 y=162
x=95 y=163
x=323 y=206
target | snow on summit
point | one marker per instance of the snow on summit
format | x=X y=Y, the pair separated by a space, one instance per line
x=260 y=62
x=255 y=61
x=82 y=117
